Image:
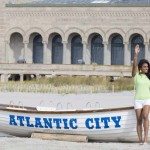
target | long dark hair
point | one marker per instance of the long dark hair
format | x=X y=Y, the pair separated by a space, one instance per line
x=143 y=61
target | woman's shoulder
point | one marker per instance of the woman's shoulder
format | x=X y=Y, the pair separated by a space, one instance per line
x=136 y=76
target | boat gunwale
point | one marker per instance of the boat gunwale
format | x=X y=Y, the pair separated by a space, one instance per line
x=15 y=108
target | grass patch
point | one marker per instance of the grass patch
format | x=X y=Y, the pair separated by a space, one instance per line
x=71 y=84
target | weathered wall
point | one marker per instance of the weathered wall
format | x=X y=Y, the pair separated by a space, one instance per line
x=66 y=20
x=2 y=31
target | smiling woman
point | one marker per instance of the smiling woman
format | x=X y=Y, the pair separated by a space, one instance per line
x=142 y=95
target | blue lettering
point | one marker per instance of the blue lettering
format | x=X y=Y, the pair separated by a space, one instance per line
x=28 y=122
x=38 y=123
x=73 y=123
x=97 y=123
x=105 y=120
x=57 y=121
x=48 y=122
x=65 y=123
x=12 y=120
x=87 y=123
x=116 y=120
x=21 y=119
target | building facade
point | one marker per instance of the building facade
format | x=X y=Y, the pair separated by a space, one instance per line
x=91 y=33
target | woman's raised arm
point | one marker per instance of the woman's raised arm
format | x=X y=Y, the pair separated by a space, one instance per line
x=134 y=67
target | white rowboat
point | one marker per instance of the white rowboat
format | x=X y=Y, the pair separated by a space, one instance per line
x=117 y=124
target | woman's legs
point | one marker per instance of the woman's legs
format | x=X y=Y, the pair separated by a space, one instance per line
x=145 y=116
x=139 y=123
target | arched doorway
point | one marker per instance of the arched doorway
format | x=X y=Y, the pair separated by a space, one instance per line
x=97 y=50
x=76 y=50
x=117 y=50
x=37 y=49
x=57 y=50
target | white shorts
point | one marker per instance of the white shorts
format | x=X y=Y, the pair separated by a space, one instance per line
x=139 y=104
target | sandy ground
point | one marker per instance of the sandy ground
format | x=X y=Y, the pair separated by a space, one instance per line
x=37 y=144
x=69 y=101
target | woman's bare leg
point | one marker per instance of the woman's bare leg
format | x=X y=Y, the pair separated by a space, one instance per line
x=139 y=123
x=145 y=116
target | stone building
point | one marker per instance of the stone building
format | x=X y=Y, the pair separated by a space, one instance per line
x=102 y=32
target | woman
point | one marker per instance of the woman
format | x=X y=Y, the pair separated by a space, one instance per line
x=142 y=95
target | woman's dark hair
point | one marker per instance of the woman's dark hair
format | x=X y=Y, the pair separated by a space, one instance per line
x=143 y=61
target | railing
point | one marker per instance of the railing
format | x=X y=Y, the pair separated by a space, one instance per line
x=45 y=69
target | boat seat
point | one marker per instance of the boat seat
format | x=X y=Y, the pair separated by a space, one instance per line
x=16 y=108
x=41 y=108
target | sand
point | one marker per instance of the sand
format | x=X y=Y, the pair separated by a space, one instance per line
x=69 y=101
x=37 y=144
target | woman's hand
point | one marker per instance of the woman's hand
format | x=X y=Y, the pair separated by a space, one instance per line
x=137 y=49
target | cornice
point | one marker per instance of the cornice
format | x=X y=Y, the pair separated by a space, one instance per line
x=76 y=5
x=12 y=13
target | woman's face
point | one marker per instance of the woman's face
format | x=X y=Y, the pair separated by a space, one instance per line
x=144 y=68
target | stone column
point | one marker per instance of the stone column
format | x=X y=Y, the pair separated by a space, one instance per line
x=127 y=54
x=21 y=77
x=49 y=52
x=25 y=53
x=7 y=48
x=107 y=54
x=86 y=53
x=147 y=51
x=45 y=57
x=66 y=53
x=4 y=77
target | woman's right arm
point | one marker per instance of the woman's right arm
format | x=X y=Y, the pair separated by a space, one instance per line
x=134 y=67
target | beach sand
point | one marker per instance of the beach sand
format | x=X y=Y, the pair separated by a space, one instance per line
x=69 y=101
x=37 y=144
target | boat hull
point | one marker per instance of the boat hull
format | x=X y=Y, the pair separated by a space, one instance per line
x=98 y=125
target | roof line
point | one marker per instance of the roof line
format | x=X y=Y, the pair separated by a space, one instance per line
x=77 y=5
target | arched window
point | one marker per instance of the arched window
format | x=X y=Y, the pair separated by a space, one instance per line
x=76 y=50
x=97 y=50
x=17 y=48
x=57 y=50
x=117 y=50
x=37 y=49
x=137 y=39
